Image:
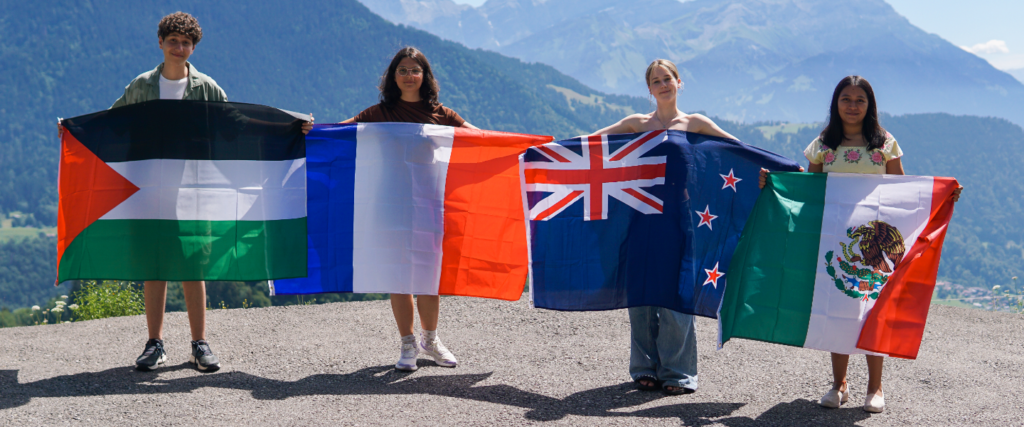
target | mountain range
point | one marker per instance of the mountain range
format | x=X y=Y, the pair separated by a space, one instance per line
x=745 y=60
x=326 y=56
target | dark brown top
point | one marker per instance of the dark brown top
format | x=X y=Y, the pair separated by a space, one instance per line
x=411 y=112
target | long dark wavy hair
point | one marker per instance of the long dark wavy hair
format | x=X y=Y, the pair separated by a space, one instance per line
x=389 y=91
x=873 y=132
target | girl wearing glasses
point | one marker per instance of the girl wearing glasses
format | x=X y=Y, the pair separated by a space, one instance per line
x=408 y=94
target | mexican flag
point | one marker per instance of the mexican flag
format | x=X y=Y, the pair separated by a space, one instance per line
x=839 y=262
x=182 y=190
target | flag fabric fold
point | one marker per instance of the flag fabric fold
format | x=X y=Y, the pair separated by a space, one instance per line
x=414 y=209
x=182 y=190
x=839 y=262
x=648 y=219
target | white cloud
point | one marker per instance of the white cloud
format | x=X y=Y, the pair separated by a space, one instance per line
x=1006 y=61
x=991 y=46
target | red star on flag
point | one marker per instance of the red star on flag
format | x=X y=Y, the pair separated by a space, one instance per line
x=713 y=276
x=706 y=217
x=730 y=180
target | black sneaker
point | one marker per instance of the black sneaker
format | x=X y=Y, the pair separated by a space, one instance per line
x=153 y=355
x=203 y=357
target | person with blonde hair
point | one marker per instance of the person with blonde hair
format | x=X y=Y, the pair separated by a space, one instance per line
x=663 y=349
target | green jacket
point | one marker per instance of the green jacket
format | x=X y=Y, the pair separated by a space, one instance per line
x=146 y=87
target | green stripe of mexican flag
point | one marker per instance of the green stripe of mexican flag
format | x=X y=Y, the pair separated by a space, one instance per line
x=818 y=251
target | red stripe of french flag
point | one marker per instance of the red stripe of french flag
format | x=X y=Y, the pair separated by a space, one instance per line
x=484 y=245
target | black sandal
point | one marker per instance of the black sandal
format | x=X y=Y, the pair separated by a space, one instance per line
x=678 y=390
x=639 y=385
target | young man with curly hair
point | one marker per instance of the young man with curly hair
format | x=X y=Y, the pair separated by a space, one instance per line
x=178 y=35
x=175 y=78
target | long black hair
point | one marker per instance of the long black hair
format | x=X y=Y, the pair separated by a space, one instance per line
x=873 y=132
x=389 y=91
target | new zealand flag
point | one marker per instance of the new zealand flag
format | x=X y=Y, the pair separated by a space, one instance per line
x=648 y=219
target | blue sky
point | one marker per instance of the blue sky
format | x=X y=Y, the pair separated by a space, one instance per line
x=989 y=28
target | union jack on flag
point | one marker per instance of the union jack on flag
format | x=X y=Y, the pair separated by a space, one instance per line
x=607 y=166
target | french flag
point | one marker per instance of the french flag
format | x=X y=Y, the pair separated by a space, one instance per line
x=414 y=209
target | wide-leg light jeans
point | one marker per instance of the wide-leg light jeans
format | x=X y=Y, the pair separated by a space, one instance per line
x=663 y=345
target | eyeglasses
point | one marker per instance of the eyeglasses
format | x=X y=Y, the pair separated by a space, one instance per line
x=402 y=71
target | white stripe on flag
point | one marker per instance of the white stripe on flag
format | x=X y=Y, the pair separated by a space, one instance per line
x=852 y=200
x=398 y=217
x=213 y=190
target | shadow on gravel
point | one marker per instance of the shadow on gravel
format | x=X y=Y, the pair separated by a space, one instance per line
x=384 y=380
x=116 y=381
x=801 y=412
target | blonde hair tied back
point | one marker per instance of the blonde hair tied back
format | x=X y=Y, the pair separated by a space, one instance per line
x=661 y=63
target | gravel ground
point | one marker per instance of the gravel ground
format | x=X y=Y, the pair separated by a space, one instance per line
x=332 y=365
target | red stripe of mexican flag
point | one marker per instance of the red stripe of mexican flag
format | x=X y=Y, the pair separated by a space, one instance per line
x=896 y=323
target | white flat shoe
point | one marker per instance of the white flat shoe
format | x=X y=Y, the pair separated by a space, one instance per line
x=834 y=398
x=874 y=403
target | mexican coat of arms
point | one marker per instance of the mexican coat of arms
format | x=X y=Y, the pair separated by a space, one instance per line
x=879 y=244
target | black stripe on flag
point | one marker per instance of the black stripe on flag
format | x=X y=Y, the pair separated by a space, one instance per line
x=191 y=130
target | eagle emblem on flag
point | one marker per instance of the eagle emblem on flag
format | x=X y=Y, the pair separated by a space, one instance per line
x=878 y=241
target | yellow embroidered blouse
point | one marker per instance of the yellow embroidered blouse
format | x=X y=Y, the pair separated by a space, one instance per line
x=853 y=159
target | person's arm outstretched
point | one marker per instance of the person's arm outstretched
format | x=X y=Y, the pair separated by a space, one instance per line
x=629 y=124
x=703 y=125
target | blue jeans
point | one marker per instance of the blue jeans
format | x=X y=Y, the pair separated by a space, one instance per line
x=663 y=345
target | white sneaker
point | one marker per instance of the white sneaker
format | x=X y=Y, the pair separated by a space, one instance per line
x=439 y=352
x=834 y=398
x=408 y=360
x=875 y=402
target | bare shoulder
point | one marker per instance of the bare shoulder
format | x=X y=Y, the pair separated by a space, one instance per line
x=629 y=124
x=700 y=120
x=700 y=123
x=636 y=120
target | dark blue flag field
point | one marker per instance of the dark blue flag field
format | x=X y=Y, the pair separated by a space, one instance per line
x=649 y=219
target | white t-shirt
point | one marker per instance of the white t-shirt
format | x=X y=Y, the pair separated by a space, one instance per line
x=172 y=89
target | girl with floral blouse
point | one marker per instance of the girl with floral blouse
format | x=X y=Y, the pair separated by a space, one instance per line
x=854 y=142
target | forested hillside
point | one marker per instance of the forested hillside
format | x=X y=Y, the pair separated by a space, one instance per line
x=71 y=58
x=27 y=271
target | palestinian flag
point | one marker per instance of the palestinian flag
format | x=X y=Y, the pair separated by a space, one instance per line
x=182 y=190
x=839 y=262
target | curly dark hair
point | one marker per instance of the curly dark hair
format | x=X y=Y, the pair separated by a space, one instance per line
x=389 y=91
x=181 y=23
x=871 y=130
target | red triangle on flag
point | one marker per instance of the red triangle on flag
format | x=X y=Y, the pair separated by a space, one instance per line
x=88 y=189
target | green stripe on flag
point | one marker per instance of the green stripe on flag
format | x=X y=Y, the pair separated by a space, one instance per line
x=770 y=284
x=152 y=249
